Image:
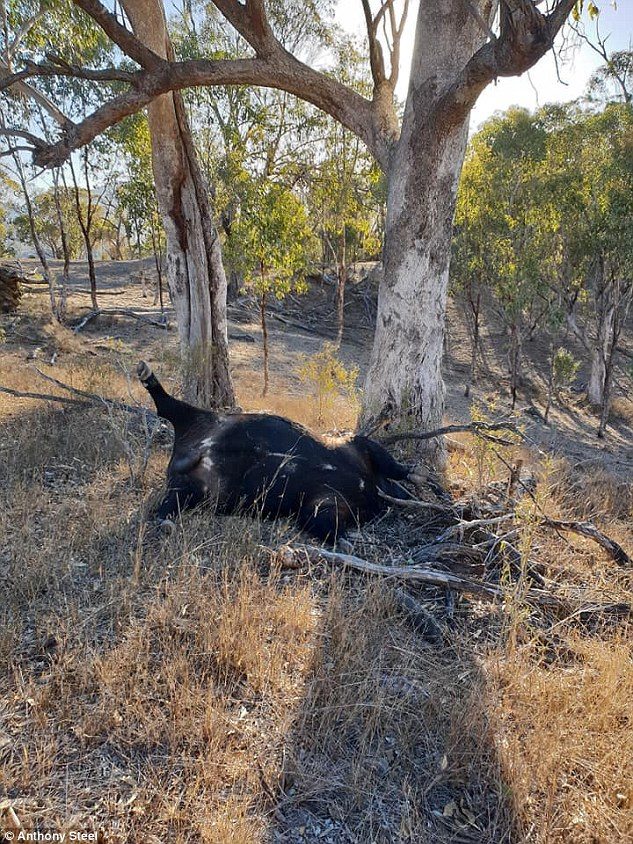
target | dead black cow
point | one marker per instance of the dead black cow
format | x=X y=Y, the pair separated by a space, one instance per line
x=272 y=466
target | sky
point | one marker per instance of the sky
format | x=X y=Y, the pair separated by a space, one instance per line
x=535 y=88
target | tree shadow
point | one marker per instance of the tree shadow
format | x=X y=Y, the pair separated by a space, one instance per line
x=392 y=740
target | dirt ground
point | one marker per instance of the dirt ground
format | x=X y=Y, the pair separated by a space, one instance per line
x=193 y=688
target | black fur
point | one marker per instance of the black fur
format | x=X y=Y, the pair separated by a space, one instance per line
x=270 y=465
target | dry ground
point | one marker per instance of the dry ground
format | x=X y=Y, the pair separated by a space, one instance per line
x=190 y=689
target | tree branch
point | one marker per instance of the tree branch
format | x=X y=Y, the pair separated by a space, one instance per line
x=24 y=30
x=120 y=34
x=482 y=429
x=60 y=67
x=282 y=71
x=525 y=36
x=421 y=574
x=20 y=394
x=376 y=59
x=589 y=530
x=22 y=133
x=19 y=85
x=397 y=30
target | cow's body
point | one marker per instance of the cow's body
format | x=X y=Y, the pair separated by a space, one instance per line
x=272 y=466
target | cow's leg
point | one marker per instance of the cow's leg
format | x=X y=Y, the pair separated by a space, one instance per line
x=180 y=497
x=324 y=518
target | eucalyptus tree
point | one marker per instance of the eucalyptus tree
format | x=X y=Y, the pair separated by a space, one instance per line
x=503 y=238
x=460 y=47
x=274 y=242
x=344 y=185
x=606 y=158
x=46 y=221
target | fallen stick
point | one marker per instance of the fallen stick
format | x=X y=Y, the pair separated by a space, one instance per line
x=73 y=290
x=416 y=574
x=589 y=530
x=414 y=503
x=294 y=323
x=118 y=312
x=44 y=397
x=462 y=526
x=93 y=398
x=419 y=574
x=482 y=429
x=244 y=338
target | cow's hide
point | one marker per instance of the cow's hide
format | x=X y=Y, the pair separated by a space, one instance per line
x=269 y=465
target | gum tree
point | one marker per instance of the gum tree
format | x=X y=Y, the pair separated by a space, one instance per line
x=273 y=240
x=460 y=47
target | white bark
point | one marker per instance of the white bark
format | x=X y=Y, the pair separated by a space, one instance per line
x=603 y=298
x=404 y=380
x=195 y=273
x=595 y=387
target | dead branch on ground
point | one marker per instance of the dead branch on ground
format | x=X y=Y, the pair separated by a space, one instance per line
x=95 y=399
x=20 y=394
x=588 y=529
x=481 y=429
x=119 y=312
x=423 y=574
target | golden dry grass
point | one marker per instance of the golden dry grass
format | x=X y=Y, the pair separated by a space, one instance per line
x=183 y=688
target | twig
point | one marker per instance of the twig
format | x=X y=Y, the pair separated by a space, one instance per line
x=74 y=290
x=414 y=503
x=461 y=527
x=45 y=397
x=589 y=530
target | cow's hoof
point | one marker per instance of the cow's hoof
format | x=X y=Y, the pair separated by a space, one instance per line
x=143 y=371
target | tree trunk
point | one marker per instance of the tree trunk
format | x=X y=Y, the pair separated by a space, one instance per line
x=37 y=243
x=63 y=287
x=605 y=312
x=262 y=311
x=620 y=304
x=550 y=385
x=404 y=381
x=597 y=377
x=195 y=274
x=340 y=292
x=92 y=274
x=84 y=225
x=475 y=307
x=158 y=263
x=515 y=360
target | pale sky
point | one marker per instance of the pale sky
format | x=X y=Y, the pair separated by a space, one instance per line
x=531 y=90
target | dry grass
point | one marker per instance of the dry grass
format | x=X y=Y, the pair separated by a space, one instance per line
x=184 y=689
x=622 y=409
x=339 y=416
